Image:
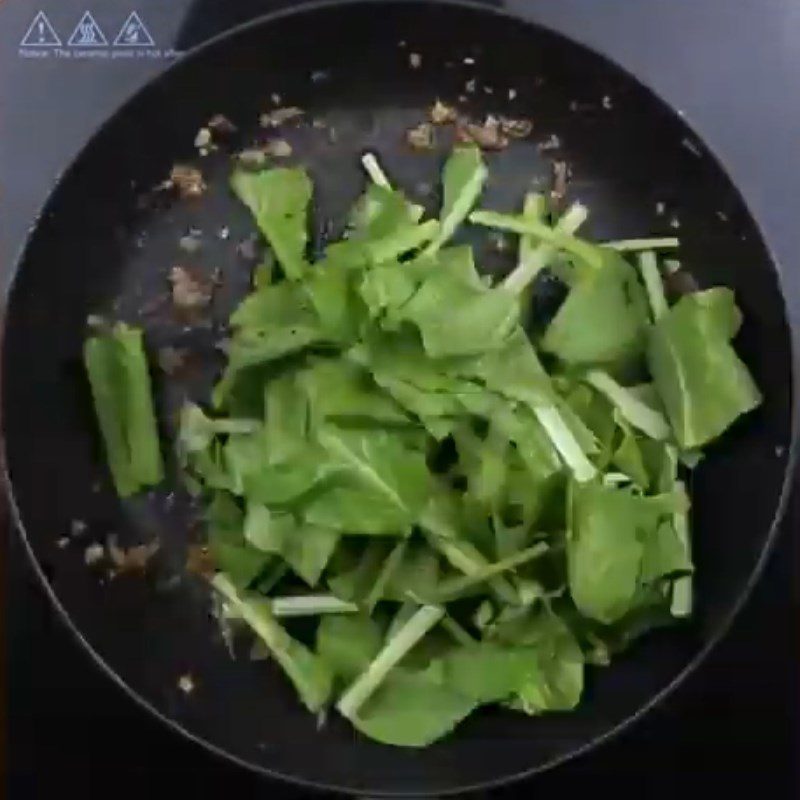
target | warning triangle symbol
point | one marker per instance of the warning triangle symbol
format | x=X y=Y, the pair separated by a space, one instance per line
x=133 y=33
x=40 y=33
x=87 y=33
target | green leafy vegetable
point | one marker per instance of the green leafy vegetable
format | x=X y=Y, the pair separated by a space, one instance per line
x=120 y=383
x=603 y=321
x=702 y=383
x=609 y=532
x=348 y=644
x=393 y=651
x=462 y=180
x=412 y=709
x=444 y=511
x=308 y=672
x=279 y=199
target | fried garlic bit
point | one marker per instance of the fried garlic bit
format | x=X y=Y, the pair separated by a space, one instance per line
x=442 y=114
x=199 y=561
x=488 y=135
x=516 y=128
x=421 y=137
x=188 y=181
x=131 y=559
x=278 y=116
x=190 y=292
x=278 y=148
x=221 y=125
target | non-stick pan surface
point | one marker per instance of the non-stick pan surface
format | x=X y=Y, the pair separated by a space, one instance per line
x=99 y=248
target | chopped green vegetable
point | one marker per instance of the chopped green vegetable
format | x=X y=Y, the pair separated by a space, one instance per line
x=349 y=643
x=394 y=650
x=120 y=383
x=702 y=383
x=603 y=321
x=308 y=672
x=462 y=180
x=446 y=511
x=279 y=199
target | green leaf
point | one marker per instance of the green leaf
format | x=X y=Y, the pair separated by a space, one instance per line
x=269 y=324
x=388 y=287
x=516 y=373
x=416 y=576
x=353 y=572
x=456 y=319
x=278 y=199
x=533 y=446
x=664 y=555
x=380 y=213
x=462 y=181
x=242 y=562
x=334 y=297
x=597 y=414
x=483 y=462
x=702 y=382
x=286 y=421
x=306 y=548
x=120 y=383
x=603 y=321
x=348 y=643
x=557 y=683
x=310 y=674
x=251 y=473
x=346 y=394
x=629 y=459
x=606 y=546
x=401 y=241
x=384 y=488
x=411 y=709
x=487 y=672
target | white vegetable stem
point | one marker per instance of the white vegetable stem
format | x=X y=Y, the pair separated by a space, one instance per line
x=466 y=558
x=466 y=199
x=373 y=169
x=452 y=588
x=391 y=563
x=310 y=605
x=682 y=595
x=565 y=442
x=393 y=651
x=653 y=284
x=378 y=177
x=637 y=413
x=632 y=245
x=535 y=259
x=533 y=207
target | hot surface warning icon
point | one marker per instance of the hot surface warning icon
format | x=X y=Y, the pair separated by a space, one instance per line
x=40 y=33
x=87 y=33
x=133 y=33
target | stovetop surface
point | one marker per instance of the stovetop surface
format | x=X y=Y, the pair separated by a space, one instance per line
x=730 y=66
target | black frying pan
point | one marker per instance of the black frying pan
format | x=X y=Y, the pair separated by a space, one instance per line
x=97 y=247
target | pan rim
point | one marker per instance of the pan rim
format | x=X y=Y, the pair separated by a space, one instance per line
x=790 y=469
